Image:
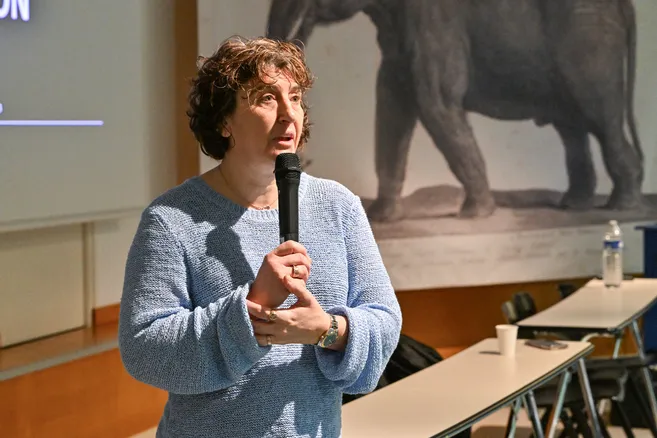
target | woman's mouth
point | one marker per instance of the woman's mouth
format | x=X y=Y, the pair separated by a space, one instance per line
x=285 y=138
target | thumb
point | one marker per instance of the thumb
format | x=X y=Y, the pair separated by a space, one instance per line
x=297 y=287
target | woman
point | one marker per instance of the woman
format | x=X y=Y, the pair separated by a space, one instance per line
x=249 y=337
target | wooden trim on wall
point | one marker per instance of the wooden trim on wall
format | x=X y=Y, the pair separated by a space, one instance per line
x=106 y=315
x=186 y=47
x=89 y=272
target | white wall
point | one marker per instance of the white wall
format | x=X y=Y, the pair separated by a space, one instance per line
x=41 y=278
x=50 y=278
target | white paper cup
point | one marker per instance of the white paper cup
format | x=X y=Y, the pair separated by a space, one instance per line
x=507 y=335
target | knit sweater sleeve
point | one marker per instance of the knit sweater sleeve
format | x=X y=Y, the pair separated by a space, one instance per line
x=165 y=340
x=372 y=311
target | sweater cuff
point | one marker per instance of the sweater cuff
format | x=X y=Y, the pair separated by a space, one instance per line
x=344 y=368
x=237 y=324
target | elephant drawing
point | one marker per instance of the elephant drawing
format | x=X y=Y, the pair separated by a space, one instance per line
x=568 y=63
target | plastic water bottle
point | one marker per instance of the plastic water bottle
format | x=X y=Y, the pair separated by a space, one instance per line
x=612 y=256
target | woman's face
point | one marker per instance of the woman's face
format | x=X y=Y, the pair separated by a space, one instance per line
x=268 y=121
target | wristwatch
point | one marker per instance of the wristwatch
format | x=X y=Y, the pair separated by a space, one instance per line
x=331 y=335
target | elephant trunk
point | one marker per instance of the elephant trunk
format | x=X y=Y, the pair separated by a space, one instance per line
x=291 y=20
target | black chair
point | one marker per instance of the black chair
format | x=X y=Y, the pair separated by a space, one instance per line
x=605 y=385
x=566 y=289
x=524 y=303
x=524 y=307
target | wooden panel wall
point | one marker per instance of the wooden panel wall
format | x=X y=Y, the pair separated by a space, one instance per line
x=465 y=315
x=90 y=397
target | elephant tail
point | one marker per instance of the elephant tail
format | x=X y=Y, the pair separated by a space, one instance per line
x=629 y=14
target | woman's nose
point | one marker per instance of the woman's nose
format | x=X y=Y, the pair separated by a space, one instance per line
x=286 y=111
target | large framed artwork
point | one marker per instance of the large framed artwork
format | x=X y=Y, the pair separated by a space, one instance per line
x=490 y=141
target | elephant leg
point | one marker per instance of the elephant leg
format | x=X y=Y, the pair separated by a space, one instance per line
x=447 y=124
x=590 y=58
x=452 y=134
x=579 y=164
x=621 y=160
x=441 y=75
x=396 y=116
x=624 y=168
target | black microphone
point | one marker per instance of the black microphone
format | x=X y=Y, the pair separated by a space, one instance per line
x=288 y=175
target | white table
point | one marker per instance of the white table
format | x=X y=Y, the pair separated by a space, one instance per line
x=450 y=396
x=597 y=311
x=597 y=308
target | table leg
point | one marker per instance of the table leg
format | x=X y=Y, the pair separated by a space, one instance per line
x=532 y=410
x=513 y=418
x=645 y=372
x=617 y=344
x=602 y=404
x=588 y=398
x=555 y=415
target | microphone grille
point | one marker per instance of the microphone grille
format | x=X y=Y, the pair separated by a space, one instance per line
x=287 y=161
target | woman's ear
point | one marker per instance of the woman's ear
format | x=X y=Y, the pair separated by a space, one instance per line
x=225 y=132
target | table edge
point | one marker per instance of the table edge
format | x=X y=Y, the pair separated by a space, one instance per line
x=459 y=427
x=612 y=330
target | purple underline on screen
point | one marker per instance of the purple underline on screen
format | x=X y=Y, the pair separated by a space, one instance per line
x=51 y=123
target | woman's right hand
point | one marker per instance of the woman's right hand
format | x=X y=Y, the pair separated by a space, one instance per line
x=269 y=289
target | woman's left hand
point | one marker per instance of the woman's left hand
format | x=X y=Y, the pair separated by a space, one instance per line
x=302 y=323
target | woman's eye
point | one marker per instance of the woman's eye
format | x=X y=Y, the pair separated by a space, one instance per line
x=296 y=98
x=267 y=98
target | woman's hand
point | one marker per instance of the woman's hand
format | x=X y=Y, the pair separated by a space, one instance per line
x=302 y=323
x=289 y=258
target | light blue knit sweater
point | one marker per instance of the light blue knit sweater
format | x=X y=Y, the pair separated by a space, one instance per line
x=184 y=326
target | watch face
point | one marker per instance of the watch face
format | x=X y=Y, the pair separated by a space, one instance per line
x=330 y=338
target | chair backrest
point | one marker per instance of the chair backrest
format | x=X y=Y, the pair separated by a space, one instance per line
x=509 y=312
x=525 y=305
x=566 y=289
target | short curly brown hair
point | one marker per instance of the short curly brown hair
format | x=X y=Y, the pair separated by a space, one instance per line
x=239 y=64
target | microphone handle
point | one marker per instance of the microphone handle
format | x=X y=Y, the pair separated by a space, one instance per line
x=288 y=207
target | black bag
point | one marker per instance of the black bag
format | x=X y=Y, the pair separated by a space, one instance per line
x=409 y=357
